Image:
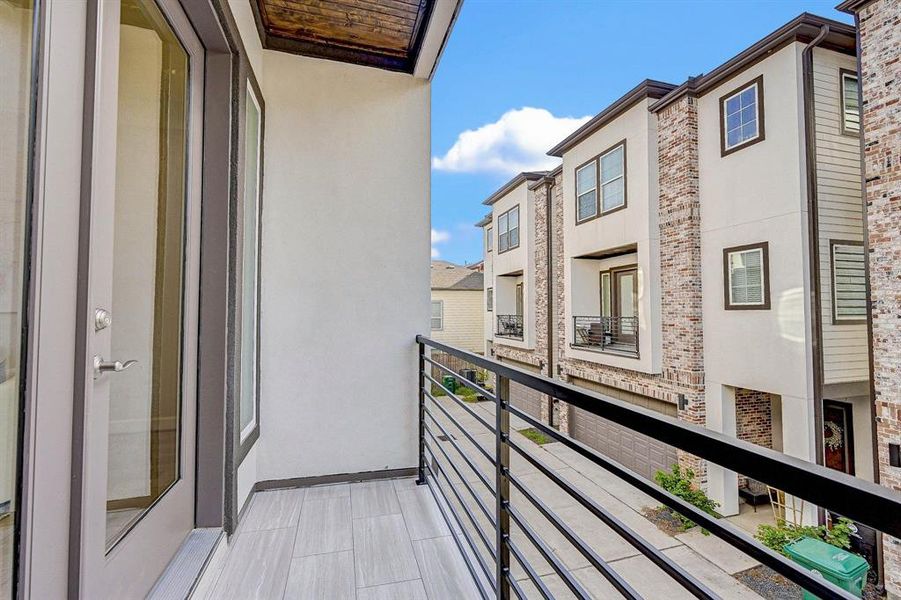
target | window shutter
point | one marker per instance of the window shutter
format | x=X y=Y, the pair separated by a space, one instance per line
x=849 y=288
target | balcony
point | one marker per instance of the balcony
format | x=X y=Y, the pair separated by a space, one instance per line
x=606 y=334
x=509 y=326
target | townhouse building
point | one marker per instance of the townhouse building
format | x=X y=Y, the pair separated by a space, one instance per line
x=699 y=252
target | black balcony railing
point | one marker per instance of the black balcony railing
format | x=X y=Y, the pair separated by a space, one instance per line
x=486 y=544
x=509 y=326
x=609 y=334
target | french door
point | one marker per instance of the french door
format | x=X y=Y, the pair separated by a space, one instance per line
x=141 y=297
x=625 y=305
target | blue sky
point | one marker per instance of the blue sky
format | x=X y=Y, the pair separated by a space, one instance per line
x=562 y=60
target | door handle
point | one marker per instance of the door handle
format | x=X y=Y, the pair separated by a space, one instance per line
x=110 y=366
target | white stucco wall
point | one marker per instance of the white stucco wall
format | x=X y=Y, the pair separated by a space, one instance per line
x=758 y=194
x=519 y=261
x=636 y=225
x=345 y=268
x=488 y=315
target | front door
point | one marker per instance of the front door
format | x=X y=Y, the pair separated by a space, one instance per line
x=141 y=297
x=838 y=436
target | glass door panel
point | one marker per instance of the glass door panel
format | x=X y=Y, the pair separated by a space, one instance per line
x=148 y=261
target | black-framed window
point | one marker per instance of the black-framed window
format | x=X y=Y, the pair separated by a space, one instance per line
x=508 y=230
x=489 y=299
x=849 y=282
x=746 y=277
x=850 y=100
x=601 y=184
x=742 y=117
x=587 y=191
x=489 y=239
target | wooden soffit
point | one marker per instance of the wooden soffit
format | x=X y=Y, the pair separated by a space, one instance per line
x=379 y=33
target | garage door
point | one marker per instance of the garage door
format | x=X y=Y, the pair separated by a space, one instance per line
x=525 y=398
x=642 y=454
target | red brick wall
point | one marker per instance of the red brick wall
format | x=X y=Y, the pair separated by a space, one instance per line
x=754 y=417
x=880 y=44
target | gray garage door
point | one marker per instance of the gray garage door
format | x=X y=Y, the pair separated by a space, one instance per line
x=524 y=398
x=642 y=454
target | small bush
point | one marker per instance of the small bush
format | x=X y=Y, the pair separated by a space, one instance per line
x=777 y=537
x=679 y=483
x=438 y=391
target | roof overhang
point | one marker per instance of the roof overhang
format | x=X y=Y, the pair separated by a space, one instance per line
x=512 y=184
x=804 y=28
x=396 y=35
x=852 y=6
x=486 y=220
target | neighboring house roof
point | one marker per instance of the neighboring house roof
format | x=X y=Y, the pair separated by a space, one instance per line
x=804 y=28
x=485 y=220
x=646 y=89
x=448 y=276
x=507 y=187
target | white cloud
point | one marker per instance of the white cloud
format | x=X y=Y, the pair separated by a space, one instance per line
x=438 y=237
x=514 y=143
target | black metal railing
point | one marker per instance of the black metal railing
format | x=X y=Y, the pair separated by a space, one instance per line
x=509 y=326
x=609 y=334
x=487 y=546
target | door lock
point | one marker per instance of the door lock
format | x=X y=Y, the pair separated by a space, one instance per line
x=102 y=319
x=110 y=366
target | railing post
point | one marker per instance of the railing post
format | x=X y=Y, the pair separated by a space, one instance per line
x=502 y=458
x=420 y=480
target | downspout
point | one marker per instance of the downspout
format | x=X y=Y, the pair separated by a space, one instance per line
x=813 y=243
x=551 y=342
x=880 y=565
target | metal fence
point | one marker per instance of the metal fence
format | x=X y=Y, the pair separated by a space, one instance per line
x=618 y=334
x=489 y=551
x=509 y=326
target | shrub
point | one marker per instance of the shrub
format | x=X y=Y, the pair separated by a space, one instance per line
x=536 y=436
x=679 y=483
x=777 y=537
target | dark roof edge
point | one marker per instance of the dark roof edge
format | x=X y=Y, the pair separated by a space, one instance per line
x=507 y=187
x=547 y=179
x=484 y=220
x=803 y=28
x=648 y=88
x=852 y=6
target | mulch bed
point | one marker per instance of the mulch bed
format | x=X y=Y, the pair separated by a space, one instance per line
x=774 y=586
x=664 y=520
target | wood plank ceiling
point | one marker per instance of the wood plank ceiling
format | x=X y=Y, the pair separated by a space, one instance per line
x=379 y=33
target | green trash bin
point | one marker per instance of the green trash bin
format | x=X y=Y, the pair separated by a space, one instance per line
x=843 y=568
x=450 y=383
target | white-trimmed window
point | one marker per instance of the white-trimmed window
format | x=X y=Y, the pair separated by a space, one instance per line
x=849 y=284
x=746 y=271
x=742 y=115
x=586 y=191
x=850 y=103
x=613 y=178
x=489 y=239
x=508 y=230
x=489 y=299
x=437 y=315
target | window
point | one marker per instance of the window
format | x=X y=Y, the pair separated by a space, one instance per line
x=849 y=284
x=850 y=104
x=248 y=401
x=489 y=299
x=606 y=302
x=746 y=277
x=613 y=180
x=741 y=113
x=437 y=315
x=489 y=240
x=586 y=191
x=508 y=230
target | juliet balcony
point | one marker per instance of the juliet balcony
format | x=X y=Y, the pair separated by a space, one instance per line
x=606 y=334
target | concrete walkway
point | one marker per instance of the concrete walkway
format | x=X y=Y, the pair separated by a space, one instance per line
x=709 y=559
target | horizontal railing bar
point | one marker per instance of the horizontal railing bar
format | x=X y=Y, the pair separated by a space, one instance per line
x=720 y=528
x=472 y=492
x=466 y=510
x=855 y=498
x=461 y=403
x=529 y=569
x=462 y=454
x=471 y=385
x=515 y=586
x=462 y=429
x=571 y=582
x=459 y=544
x=695 y=587
x=584 y=549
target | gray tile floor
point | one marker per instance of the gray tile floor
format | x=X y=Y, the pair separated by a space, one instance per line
x=372 y=540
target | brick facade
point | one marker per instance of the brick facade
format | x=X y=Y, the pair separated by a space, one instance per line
x=680 y=262
x=753 y=420
x=879 y=26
